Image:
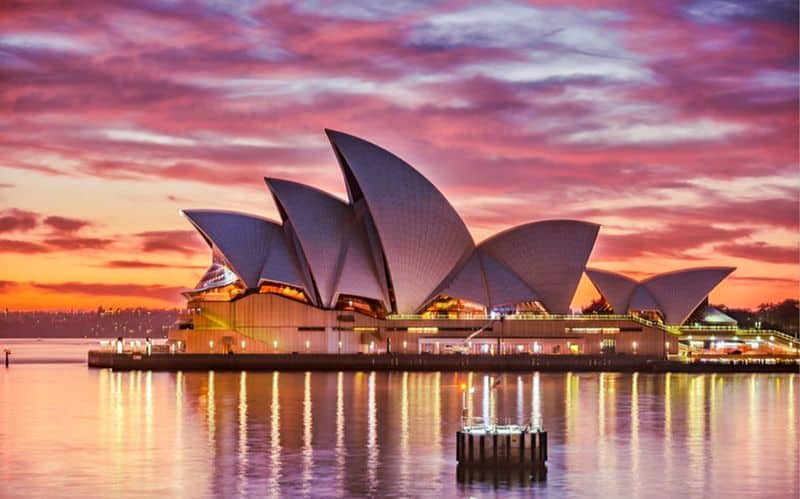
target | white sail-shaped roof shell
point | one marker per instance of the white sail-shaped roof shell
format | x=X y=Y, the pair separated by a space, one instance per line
x=682 y=291
x=675 y=294
x=254 y=248
x=615 y=288
x=421 y=235
x=549 y=256
x=243 y=240
x=320 y=223
x=333 y=243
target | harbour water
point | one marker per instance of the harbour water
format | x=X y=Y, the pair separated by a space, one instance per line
x=70 y=431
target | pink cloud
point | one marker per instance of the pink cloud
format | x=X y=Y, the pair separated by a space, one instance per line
x=71 y=243
x=15 y=220
x=64 y=224
x=24 y=247
x=761 y=251
x=186 y=242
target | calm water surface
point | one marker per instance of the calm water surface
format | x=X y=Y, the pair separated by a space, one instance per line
x=70 y=431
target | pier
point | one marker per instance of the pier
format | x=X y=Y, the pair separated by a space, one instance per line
x=486 y=449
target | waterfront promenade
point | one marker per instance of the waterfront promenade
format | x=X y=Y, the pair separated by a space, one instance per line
x=129 y=361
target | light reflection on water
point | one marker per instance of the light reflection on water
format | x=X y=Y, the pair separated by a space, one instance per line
x=66 y=430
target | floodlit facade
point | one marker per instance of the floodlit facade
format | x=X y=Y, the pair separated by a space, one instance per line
x=394 y=268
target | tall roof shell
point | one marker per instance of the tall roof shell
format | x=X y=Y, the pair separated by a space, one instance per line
x=242 y=239
x=615 y=288
x=680 y=292
x=421 y=235
x=320 y=222
x=550 y=256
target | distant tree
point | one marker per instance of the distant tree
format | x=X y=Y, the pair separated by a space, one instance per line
x=783 y=316
x=598 y=307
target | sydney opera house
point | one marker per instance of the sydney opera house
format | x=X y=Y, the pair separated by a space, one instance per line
x=394 y=268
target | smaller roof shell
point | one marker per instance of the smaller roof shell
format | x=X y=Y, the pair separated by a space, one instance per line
x=675 y=294
x=242 y=239
x=681 y=291
x=538 y=253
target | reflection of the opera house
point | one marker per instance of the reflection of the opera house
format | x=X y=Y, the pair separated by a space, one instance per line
x=393 y=433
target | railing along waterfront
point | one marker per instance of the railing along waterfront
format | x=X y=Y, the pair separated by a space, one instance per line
x=693 y=330
x=527 y=317
x=542 y=317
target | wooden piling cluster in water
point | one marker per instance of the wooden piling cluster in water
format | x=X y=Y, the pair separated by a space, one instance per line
x=502 y=447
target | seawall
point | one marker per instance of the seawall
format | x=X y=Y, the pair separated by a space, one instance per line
x=410 y=362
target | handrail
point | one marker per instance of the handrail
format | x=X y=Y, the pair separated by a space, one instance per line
x=517 y=317
x=476 y=333
x=714 y=328
x=744 y=332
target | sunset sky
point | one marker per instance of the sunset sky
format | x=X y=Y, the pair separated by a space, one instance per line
x=674 y=126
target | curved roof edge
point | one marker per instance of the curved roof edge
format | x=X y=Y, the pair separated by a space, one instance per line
x=526 y=225
x=616 y=288
x=242 y=239
x=680 y=292
x=537 y=253
x=319 y=222
x=713 y=268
